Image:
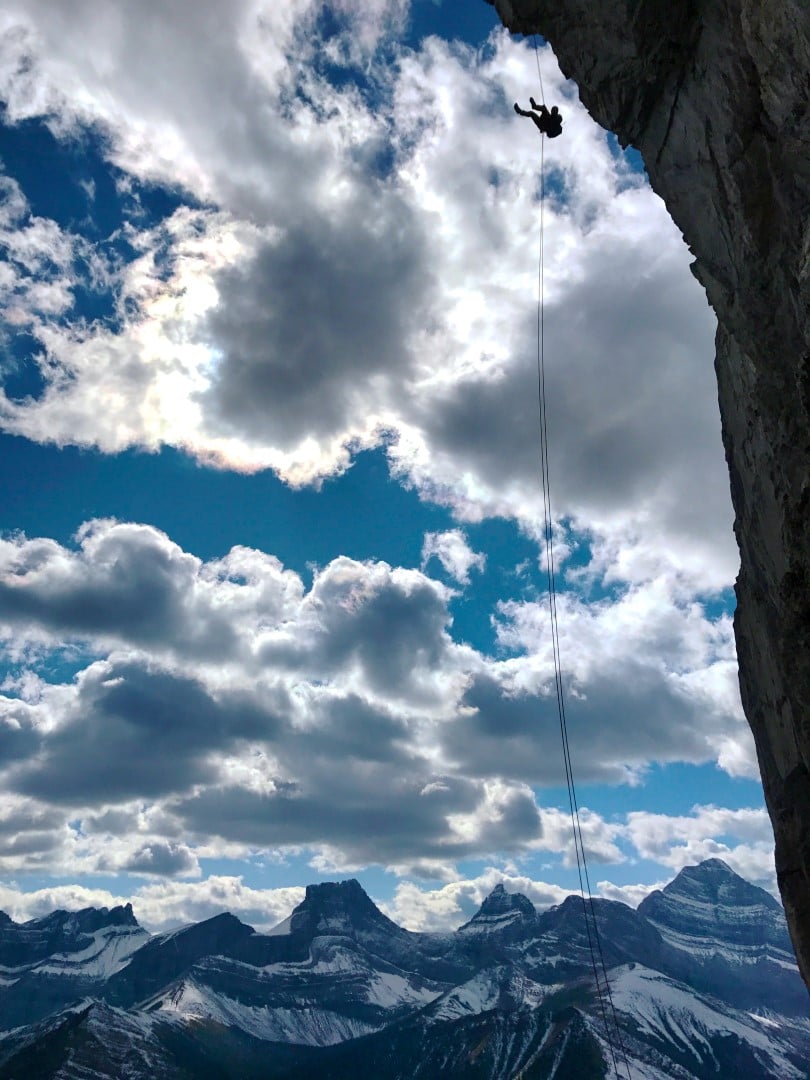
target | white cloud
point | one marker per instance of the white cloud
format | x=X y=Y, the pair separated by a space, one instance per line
x=454 y=553
x=742 y=838
x=21 y=905
x=598 y=836
x=38 y=275
x=451 y=905
x=169 y=903
x=362 y=273
x=628 y=894
x=222 y=358
x=129 y=583
x=251 y=713
x=162 y=906
x=647 y=677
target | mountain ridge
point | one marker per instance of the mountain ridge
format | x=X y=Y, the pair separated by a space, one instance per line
x=338 y=983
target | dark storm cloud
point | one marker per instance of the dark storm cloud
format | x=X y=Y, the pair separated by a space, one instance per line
x=315 y=330
x=132 y=731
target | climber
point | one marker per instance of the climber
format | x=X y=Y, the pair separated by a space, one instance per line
x=548 y=123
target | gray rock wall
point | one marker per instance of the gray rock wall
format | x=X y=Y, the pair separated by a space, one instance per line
x=715 y=94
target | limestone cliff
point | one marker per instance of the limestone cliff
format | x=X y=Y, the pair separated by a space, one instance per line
x=716 y=96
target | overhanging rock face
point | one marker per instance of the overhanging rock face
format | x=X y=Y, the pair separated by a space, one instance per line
x=716 y=96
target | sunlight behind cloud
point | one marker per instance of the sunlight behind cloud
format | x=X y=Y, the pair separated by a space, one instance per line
x=326 y=244
x=440 y=248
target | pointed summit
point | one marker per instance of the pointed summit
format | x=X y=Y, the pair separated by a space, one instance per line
x=713 y=883
x=499 y=910
x=709 y=910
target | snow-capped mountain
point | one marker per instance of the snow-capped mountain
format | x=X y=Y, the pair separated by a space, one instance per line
x=726 y=936
x=707 y=910
x=50 y=962
x=702 y=984
x=501 y=910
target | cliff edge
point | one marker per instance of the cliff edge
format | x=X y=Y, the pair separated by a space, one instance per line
x=717 y=100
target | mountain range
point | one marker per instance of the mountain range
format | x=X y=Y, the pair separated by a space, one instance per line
x=700 y=981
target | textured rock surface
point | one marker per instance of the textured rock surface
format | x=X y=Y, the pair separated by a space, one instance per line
x=717 y=99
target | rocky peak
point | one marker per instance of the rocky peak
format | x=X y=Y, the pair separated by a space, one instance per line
x=499 y=910
x=500 y=902
x=60 y=931
x=122 y=915
x=712 y=884
x=86 y=921
x=168 y=956
x=709 y=909
x=338 y=907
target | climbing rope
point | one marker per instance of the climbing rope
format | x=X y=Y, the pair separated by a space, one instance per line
x=599 y=968
x=539 y=73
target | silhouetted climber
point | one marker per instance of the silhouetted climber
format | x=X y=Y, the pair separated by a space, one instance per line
x=548 y=123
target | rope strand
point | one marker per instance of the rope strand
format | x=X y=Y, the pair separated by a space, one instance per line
x=589 y=912
x=539 y=75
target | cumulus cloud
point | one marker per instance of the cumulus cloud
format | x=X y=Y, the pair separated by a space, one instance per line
x=628 y=894
x=342 y=719
x=124 y=729
x=364 y=273
x=39 y=270
x=316 y=330
x=224 y=707
x=647 y=678
x=129 y=582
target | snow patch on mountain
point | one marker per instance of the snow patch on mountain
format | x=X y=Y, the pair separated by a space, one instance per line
x=328 y=956
x=191 y=1002
x=489 y=923
x=737 y=953
x=109 y=951
x=673 y=1013
x=475 y=996
x=391 y=991
x=487 y=990
x=684 y=1013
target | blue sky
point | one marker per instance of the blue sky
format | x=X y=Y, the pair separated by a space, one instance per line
x=271 y=579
